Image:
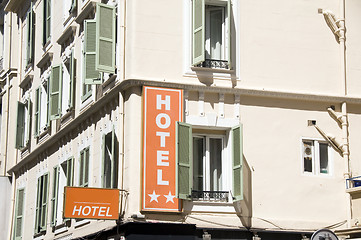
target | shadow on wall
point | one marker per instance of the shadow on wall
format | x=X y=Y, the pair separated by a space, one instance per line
x=244 y=207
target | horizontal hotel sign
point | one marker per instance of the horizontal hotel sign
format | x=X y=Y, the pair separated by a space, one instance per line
x=91 y=203
x=163 y=107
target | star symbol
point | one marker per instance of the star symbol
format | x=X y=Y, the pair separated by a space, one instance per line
x=153 y=196
x=169 y=197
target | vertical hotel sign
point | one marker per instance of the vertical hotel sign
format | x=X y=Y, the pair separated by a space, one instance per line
x=162 y=109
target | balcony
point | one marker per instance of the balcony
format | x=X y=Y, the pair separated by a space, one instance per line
x=353 y=187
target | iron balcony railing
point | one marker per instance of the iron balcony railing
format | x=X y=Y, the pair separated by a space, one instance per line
x=218 y=196
x=211 y=63
x=353 y=182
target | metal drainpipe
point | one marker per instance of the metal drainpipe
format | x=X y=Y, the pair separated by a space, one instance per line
x=345 y=139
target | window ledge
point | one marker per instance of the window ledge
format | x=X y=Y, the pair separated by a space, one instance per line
x=67 y=34
x=216 y=70
x=354 y=190
x=26 y=81
x=81 y=222
x=47 y=57
x=87 y=12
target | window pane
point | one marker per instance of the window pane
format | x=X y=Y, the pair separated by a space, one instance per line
x=324 y=158
x=215 y=152
x=107 y=161
x=307 y=156
x=198 y=154
x=216 y=39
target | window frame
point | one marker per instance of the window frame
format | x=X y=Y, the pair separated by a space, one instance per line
x=316 y=169
x=113 y=160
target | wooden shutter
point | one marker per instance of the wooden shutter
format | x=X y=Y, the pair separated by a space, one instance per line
x=27 y=122
x=105 y=38
x=237 y=155
x=114 y=180
x=46 y=21
x=198 y=32
x=86 y=168
x=37 y=111
x=38 y=204
x=229 y=35
x=30 y=35
x=91 y=75
x=184 y=160
x=72 y=80
x=54 y=198
x=44 y=201
x=48 y=103
x=19 y=211
x=20 y=126
x=70 y=172
x=56 y=82
x=105 y=175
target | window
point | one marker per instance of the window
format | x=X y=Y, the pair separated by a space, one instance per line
x=99 y=45
x=69 y=6
x=110 y=160
x=19 y=213
x=41 y=109
x=23 y=124
x=54 y=198
x=68 y=171
x=55 y=87
x=30 y=36
x=46 y=21
x=316 y=157
x=68 y=84
x=205 y=169
x=42 y=203
x=211 y=33
x=84 y=168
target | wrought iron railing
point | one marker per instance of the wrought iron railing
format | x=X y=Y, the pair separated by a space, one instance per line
x=353 y=182
x=212 y=63
x=219 y=196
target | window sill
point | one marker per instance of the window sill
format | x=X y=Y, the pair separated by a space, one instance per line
x=354 y=190
x=215 y=70
x=208 y=207
x=81 y=222
x=26 y=81
x=43 y=135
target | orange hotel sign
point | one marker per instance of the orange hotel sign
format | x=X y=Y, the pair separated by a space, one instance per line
x=162 y=109
x=91 y=203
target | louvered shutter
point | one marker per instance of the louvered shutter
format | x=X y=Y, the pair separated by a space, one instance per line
x=72 y=80
x=198 y=32
x=56 y=82
x=44 y=201
x=20 y=126
x=184 y=160
x=54 y=199
x=91 y=75
x=70 y=172
x=237 y=155
x=37 y=111
x=19 y=211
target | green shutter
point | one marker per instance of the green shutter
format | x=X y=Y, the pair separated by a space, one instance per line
x=81 y=169
x=37 y=111
x=19 y=211
x=44 y=202
x=56 y=83
x=105 y=38
x=184 y=160
x=20 y=126
x=70 y=171
x=72 y=79
x=46 y=21
x=237 y=155
x=229 y=10
x=198 y=32
x=91 y=75
x=28 y=126
x=86 y=168
x=114 y=171
x=54 y=198
x=30 y=20
x=38 y=204
x=48 y=103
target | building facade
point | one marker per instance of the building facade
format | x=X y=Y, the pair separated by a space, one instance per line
x=215 y=119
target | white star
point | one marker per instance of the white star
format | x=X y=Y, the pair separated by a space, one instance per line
x=153 y=196
x=169 y=197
